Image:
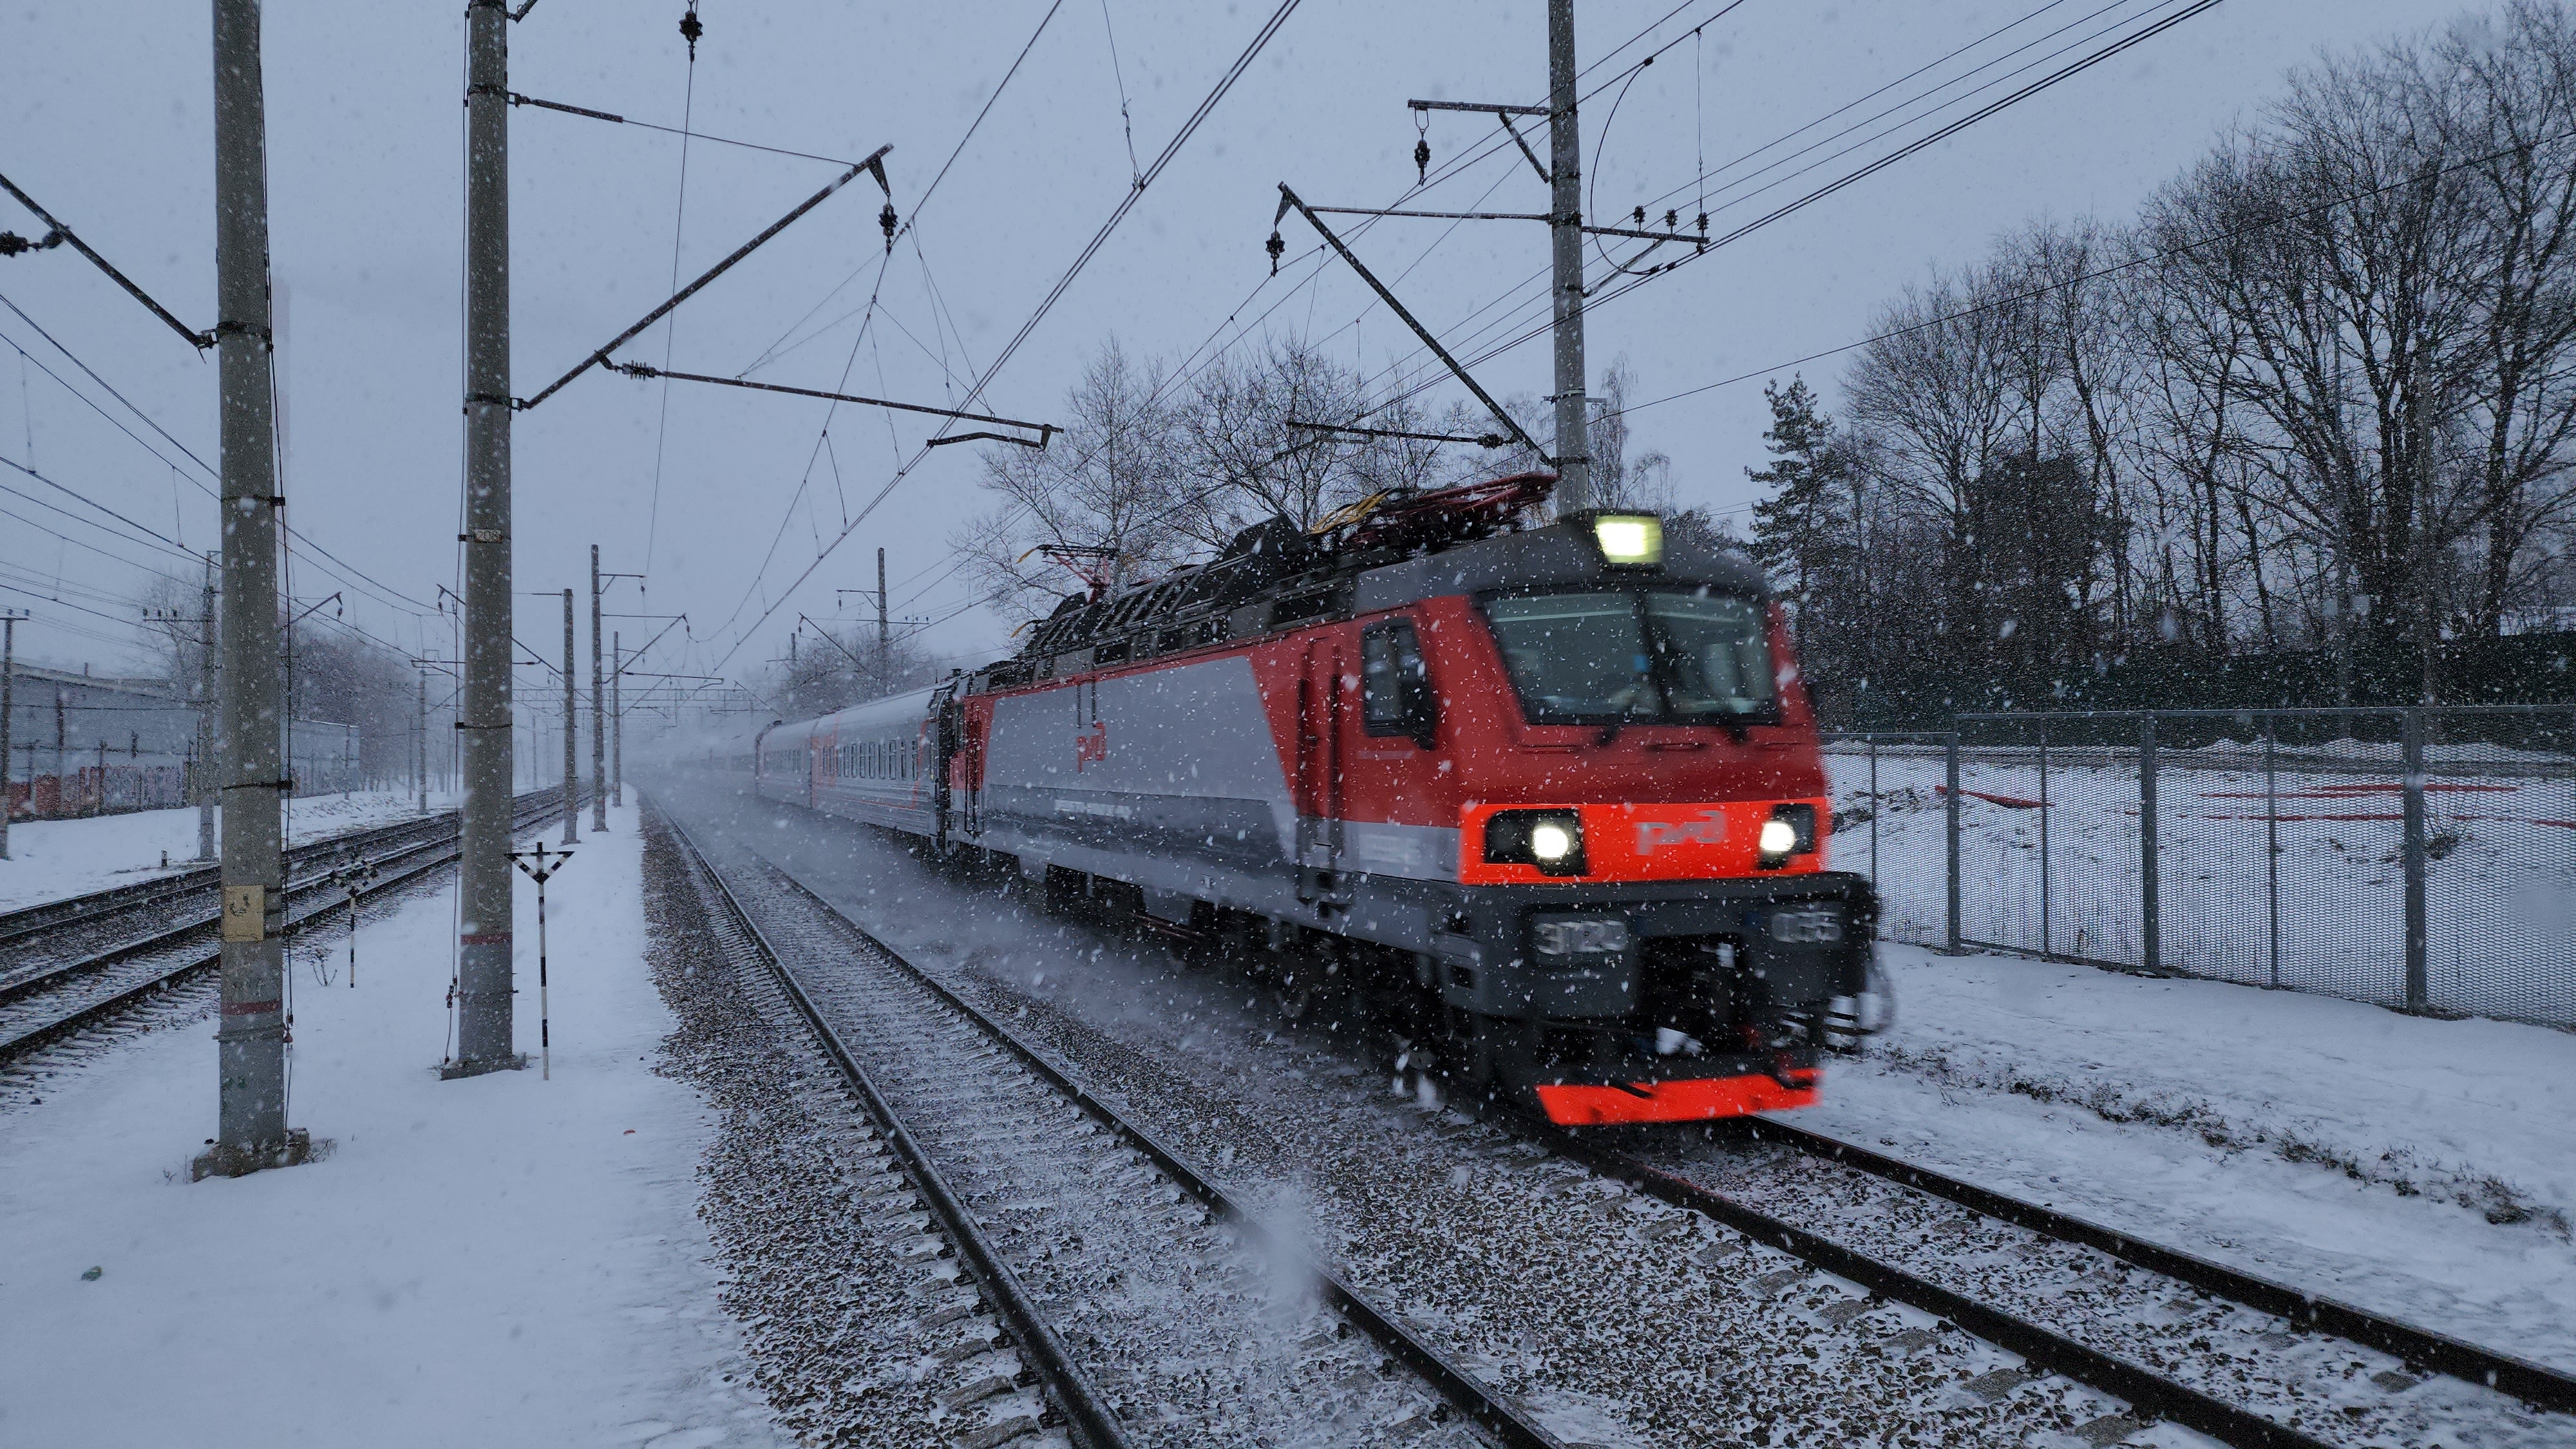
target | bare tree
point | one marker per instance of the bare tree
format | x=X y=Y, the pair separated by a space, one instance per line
x=1246 y=464
x=2515 y=80
x=1620 y=480
x=1107 y=500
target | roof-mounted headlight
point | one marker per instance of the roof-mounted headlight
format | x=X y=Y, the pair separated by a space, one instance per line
x=1629 y=540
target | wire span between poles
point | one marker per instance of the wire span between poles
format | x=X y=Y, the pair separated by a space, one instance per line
x=1082 y=259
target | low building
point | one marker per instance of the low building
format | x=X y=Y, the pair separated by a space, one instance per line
x=83 y=744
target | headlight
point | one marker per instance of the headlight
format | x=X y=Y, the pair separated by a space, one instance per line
x=1550 y=840
x=1631 y=540
x=1791 y=830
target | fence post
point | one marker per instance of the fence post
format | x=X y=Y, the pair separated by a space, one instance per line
x=2418 y=988
x=1951 y=772
x=2045 y=940
x=1873 y=810
x=2150 y=902
x=2272 y=846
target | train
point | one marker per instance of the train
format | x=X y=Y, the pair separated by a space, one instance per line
x=1542 y=796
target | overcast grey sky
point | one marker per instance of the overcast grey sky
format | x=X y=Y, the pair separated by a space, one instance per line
x=107 y=105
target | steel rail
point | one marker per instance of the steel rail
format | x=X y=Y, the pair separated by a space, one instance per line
x=96 y=1011
x=1092 y=1420
x=162 y=940
x=1464 y=1392
x=441 y=828
x=2148 y=1393
x=2535 y=1384
x=35 y=920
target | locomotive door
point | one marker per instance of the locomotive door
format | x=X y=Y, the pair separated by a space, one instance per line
x=970 y=758
x=943 y=745
x=822 y=753
x=1323 y=702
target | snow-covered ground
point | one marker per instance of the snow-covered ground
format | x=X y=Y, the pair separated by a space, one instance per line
x=50 y=859
x=2418 y=1167
x=2500 y=889
x=503 y=1260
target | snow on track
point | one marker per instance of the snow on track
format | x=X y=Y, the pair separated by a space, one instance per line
x=1187 y=1331
x=2320 y=1385
x=2418 y=1168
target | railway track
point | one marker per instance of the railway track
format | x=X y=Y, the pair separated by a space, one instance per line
x=76 y=963
x=2423 y=1350
x=1208 y=1365
x=2234 y=1357
x=2153 y=1394
x=43 y=926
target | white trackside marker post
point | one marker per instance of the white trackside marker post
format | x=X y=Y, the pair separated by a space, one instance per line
x=355 y=879
x=544 y=866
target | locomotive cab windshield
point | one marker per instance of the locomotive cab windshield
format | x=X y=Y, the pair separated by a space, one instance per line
x=1674 y=655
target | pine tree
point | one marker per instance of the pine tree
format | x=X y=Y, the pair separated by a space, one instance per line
x=1795 y=536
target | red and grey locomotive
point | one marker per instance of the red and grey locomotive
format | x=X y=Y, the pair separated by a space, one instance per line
x=1547 y=796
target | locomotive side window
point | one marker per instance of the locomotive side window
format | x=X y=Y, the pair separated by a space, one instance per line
x=1671 y=656
x=1395 y=688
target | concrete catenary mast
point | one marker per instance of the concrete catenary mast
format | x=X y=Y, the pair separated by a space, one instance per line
x=250 y=1048
x=8 y=706
x=598 y=710
x=420 y=745
x=1565 y=235
x=485 y=875
x=572 y=736
x=205 y=772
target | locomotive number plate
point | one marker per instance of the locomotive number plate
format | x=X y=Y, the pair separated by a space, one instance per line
x=1579 y=936
x=1807 y=928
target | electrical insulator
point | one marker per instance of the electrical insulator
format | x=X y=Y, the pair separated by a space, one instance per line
x=691 y=29
x=1640 y=216
x=1276 y=248
x=1421 y=160
x=886 y=219
x=1672 y=220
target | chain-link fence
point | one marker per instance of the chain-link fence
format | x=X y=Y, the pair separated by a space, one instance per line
x=2417 y=858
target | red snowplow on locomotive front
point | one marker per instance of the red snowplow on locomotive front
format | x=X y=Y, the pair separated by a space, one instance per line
x=1546 y=798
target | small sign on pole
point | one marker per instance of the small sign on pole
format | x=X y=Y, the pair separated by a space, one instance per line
x=540 y=865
